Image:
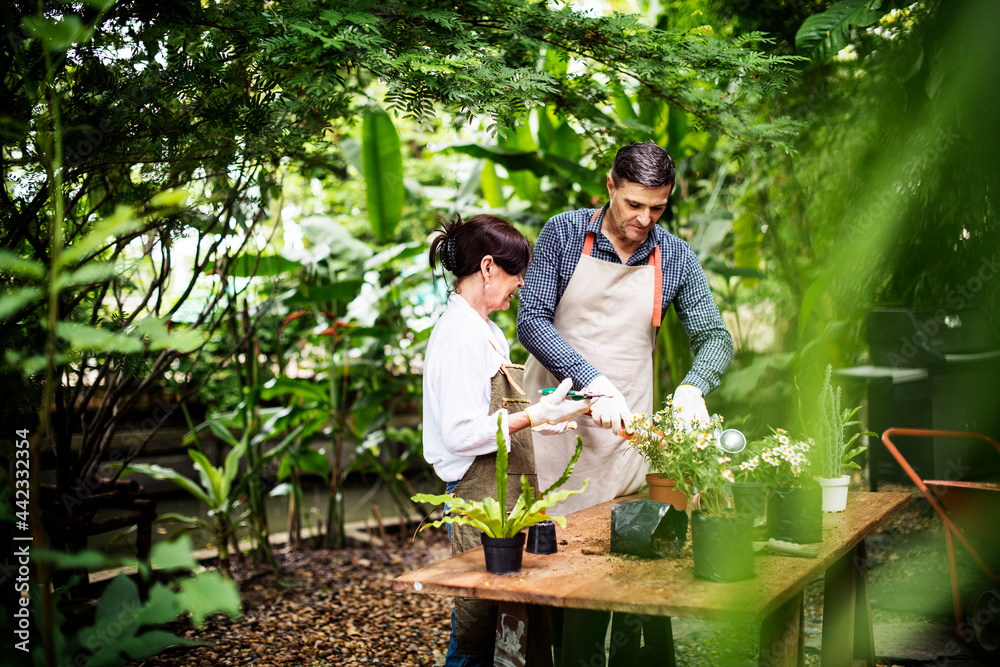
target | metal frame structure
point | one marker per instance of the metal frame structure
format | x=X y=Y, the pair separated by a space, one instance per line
x=955 y=500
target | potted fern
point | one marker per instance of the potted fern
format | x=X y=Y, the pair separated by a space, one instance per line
x=502 y=535
x=833 y=450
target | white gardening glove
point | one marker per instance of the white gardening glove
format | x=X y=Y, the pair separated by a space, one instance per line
x=611 y=410
x=556 y=408
x=554 y=429
x=690 y=405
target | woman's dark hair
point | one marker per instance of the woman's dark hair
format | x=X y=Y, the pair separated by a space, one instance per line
x=460 y=246
x=644 y=163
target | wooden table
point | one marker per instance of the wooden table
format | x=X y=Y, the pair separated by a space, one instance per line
x=584 y=575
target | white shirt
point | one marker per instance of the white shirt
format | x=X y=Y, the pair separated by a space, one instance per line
x=463 y=354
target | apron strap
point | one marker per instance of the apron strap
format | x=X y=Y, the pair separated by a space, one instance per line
x=588 y=242
x=503 y=369
x=654 y=261
x=510 y=378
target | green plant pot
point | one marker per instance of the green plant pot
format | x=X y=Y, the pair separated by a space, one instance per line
x=750 y=498
x=795 y=514
x=721 y=545
x=503 y=554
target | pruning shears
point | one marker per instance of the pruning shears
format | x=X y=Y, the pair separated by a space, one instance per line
x=573 y=395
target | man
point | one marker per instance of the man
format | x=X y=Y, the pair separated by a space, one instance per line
x=590 y=308
x=592 y=302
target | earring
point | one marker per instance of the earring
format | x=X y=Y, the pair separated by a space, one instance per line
x=486 y=286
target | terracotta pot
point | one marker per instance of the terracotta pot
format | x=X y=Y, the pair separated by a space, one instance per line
x=834 y=492
x=664 y=490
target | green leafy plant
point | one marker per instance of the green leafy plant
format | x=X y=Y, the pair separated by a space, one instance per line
x=833 y=451
x=824 y=34
x=781 y=461
x=358 y=356
x=125 y=620
x=215 y=490
x=391 y=455
x=218 y=488
x=711 y=479
x=490 y=515
x=307 y=412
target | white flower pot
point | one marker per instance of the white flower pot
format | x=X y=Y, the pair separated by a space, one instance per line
x=834 y=492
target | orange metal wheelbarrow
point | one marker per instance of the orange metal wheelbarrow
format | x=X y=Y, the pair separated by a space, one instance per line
x=970 y=511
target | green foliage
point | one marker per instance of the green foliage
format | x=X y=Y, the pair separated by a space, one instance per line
x=383 y=171
x=393 y=455
x=352 y=364
x=823 y=35
x=258 y=86
x=881 y=202
x=490 y=516
x=218 y=489
x=125 y=623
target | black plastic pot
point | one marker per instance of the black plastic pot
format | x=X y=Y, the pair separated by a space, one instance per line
x=750 y=498
x=542 y=538
x=647 y=528
x=795 y=514
x=503 y=554
x=721 y=546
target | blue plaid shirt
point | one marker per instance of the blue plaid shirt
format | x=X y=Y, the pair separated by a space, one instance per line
x=556 y=255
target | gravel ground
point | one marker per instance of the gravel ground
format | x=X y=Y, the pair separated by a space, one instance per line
x=328 y=607
x=337 y=608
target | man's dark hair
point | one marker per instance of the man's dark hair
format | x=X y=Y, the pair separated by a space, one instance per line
x=644 y=163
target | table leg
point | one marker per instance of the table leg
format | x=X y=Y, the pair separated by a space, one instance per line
x=847 y=615
x=653 y=633
x=514 y=646
x=626 y=636
x=782 y=643
x=864 y=634
x=583 y=635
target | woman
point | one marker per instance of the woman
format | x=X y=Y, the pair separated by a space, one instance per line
x=469 y=383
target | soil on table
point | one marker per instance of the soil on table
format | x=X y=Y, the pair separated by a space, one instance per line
x=336 y=607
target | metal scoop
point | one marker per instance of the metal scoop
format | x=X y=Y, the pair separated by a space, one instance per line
x=732 y=441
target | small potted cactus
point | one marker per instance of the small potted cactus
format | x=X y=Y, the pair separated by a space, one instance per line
x=834 y=450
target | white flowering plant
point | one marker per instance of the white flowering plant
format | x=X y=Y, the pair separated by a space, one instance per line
x=776 y=460
x=689 y=455
x=711 y=478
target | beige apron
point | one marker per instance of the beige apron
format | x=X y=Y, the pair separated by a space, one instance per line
x=476 y=620
x=608 y=315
